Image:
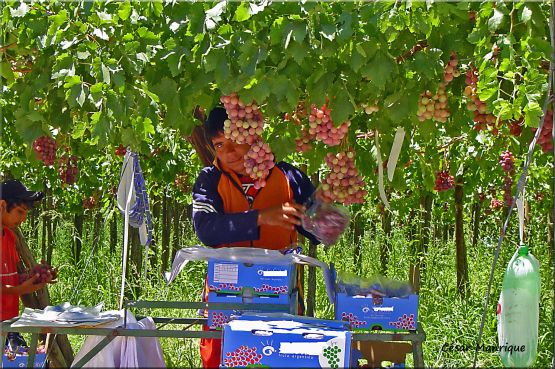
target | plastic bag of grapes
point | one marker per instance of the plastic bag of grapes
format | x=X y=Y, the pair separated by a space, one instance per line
x=325 y=221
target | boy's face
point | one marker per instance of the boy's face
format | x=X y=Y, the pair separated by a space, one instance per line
x=13 y=218
x=230 y=154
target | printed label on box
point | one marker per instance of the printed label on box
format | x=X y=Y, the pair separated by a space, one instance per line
x=226 y=273
x=285 y=344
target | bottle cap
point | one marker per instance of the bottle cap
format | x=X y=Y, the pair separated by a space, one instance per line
x=523 y=250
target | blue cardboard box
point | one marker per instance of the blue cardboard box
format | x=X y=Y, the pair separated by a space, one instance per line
x=217 y=318
x=20 y=361
x=228 y=276
x=372 y=312
x=297 y=342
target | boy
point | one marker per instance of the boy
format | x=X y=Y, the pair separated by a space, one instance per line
x=229 y=211
x=15 y=202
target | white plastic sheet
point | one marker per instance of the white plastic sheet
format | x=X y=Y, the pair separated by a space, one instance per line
x=246 y=255
x=65 y=315
x=125 y=352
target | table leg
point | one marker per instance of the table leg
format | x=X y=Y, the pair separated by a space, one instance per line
x=32 y=350
x=417 y=354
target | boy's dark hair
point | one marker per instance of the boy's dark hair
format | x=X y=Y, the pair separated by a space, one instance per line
x=214 y=125
x=15 y=193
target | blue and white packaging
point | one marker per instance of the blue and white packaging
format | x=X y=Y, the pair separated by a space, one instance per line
x=217 y=318
x=372 y=312
x=274 y=341
x=20 y=360
x=230 y=276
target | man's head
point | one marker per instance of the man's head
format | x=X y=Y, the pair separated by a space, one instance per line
x=15 y=201
x=229 y=153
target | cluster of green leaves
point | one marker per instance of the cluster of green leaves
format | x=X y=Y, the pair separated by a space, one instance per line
x=97 y=74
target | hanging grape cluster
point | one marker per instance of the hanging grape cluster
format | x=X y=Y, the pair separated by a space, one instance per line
x=434 y=106
x=45 y=147
x=545 y=139
x=89 y=202
x=507 y=162
x=515 y=127
x=481 y=117
x=245 y=123
x=496 y=204
x=258 y=162
x=67 y=168
x=120 y=150
x=343 y=183
x=444 y=181
x=322 y=128
x=303 y=143
x=244 y=126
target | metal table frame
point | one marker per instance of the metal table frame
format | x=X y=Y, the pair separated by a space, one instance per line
x=415 y=337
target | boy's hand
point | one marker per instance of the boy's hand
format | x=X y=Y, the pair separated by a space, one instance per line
x=29 y=285
x=286 y=215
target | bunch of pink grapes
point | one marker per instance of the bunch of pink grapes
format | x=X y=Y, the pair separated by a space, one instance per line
x=245 y=123
x=322 y=128
x=343 y=183
x=45 y=147
x=258 y=162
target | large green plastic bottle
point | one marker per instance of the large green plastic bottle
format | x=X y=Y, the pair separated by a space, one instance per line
x=518 y=311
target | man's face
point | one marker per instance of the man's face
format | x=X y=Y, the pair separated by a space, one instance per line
x=230 y=154
x=13 y=218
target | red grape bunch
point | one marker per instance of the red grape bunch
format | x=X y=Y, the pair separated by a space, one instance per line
x=258 y=162
x=302 y=144
x=343 y=183
x=45 y=147
x=451 y=70
x=89 y=202
x=245 y=123
x=479 y=108
x=444 y=181
x=67 y=168
x=120 y=150
x=545 y=140
x=507 y=162
x=181 y=181
x=515 y=127
x=432 y=106
x=507 y=190
x=496 y=204
x=321 y=126
x=43 y=270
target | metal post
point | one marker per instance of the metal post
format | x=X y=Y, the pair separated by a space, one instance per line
x=552 y=66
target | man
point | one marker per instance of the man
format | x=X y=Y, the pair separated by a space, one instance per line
x=15 y=202
x=229 y=211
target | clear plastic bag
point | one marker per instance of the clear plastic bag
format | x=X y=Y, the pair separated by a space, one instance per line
x=325 y=221
x=377 y=285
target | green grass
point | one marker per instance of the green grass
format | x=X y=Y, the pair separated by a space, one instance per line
x=445 y=316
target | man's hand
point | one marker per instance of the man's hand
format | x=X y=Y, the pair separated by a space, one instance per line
x=287 y=215
x=29 y=285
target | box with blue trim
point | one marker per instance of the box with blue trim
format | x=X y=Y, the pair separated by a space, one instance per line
x=278 y=279
x=217 y=318
x=377 y=313
x=11 y=360
x=273 y=341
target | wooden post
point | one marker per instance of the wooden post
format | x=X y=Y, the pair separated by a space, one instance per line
x=462 y=265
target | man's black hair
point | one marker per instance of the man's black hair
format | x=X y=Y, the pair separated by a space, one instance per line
x=12 y=203
x=214 y=125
